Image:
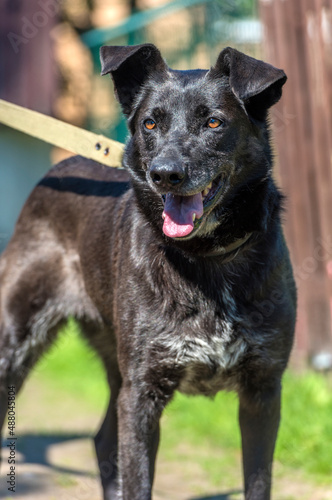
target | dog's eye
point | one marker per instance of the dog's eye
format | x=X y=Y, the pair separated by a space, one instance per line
x=149 y=124
x=214 y=123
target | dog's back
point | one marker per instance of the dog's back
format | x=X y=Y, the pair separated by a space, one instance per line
x=41 y=278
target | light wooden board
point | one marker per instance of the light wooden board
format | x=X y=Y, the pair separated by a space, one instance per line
x=61 y=134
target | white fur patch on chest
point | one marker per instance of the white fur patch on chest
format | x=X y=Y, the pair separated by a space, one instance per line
x=208 y=354
x=214 y=350
x=207 y=361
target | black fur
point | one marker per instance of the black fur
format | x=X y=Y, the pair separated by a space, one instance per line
x=210 y=310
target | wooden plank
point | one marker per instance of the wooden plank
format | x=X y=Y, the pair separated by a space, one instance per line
x=301 y=161
x=320 y=317
x=28 y=71
x=62 y=135
x=298 y=36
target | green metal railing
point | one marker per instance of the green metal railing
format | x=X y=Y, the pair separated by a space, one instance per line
x=206 y=19
x=137 y=21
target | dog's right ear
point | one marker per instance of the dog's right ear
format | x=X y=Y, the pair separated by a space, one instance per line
x=130 y=67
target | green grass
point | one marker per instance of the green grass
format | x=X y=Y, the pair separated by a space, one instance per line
x=73 y=368
x=305 y=439
x=305 y=435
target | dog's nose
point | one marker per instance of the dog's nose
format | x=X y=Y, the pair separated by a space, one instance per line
x=166 y=174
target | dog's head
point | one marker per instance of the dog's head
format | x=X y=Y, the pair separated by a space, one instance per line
x=199 y=151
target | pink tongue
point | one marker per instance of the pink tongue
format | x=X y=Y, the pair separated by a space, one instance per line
x=179 y=212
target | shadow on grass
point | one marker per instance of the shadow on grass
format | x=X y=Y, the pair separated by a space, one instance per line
x=34 y=447
x=34 y=451
x=221 y=496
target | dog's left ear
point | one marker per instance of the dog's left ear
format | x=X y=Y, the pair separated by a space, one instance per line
x=257 y=84
x=130 y=67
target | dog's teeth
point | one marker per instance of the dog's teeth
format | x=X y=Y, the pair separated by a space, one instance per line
x=194 y=217
x=163 y=215
x=205 y=192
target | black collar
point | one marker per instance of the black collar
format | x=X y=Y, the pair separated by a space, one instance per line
x=230 y=251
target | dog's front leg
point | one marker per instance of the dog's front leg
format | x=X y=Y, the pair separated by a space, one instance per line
x=259 y=421
x=138 y=417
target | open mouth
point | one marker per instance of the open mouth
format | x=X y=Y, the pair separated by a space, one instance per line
x=184 y=214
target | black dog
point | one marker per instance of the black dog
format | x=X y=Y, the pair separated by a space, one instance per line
x=177 y=271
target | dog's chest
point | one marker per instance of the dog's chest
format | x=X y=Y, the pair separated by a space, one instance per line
x=208 y=363
x=207 y=352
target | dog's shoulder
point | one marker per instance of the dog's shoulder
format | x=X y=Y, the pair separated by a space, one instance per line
x=78 y=180
x=74 y=193
x=78 y=167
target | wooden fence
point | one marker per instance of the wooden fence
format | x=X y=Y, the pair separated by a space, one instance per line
x=298 y=38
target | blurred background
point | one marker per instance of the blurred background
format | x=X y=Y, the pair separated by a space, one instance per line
x=49 y=62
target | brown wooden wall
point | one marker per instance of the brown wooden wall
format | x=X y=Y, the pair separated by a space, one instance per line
x=298 y=38
x=28 y=74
